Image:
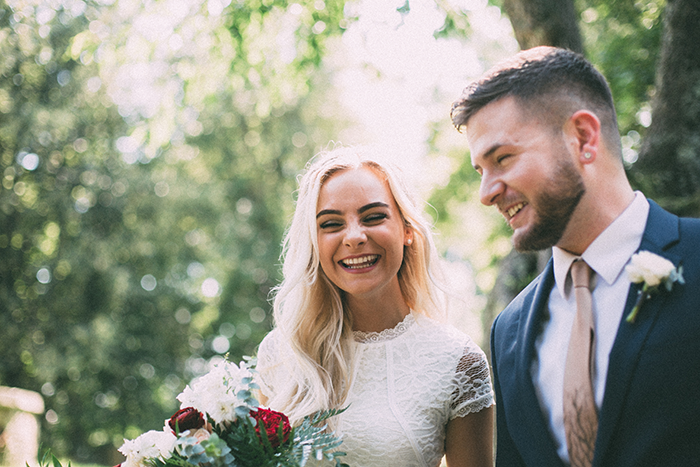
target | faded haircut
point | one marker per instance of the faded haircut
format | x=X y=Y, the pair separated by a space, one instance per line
x=547 y=82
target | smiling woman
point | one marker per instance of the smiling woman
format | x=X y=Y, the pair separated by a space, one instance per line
x=356 y=318
x=361 y=239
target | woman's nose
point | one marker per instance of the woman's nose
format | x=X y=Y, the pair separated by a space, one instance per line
x=355 y=234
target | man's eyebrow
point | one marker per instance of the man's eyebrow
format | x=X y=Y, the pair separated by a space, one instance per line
x=489 y=153
x=364 y=208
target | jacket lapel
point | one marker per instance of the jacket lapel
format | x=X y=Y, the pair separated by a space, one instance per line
x=530 y=328
x=662 y=231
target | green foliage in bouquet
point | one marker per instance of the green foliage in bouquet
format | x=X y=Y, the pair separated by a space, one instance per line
x=247 y=443
x=49 y=460
x=221 y=424
x=310 y=439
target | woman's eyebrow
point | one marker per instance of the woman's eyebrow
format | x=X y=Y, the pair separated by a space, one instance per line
x=328 y=211
x=369 y=206
x=364 y=208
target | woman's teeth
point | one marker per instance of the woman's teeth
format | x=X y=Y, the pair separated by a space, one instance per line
x=360 y=262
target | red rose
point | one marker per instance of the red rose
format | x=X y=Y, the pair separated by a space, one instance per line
x=272 y=420
x=186 y=419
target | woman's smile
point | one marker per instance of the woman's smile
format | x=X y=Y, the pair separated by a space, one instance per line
x=359 y=262
x=361 y=234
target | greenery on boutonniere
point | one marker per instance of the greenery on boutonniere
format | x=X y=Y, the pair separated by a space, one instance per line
x=653 y=271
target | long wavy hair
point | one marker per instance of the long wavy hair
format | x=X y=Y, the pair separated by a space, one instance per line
x=309 y=310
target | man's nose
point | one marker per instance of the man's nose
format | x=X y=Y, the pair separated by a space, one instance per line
x=490 y=189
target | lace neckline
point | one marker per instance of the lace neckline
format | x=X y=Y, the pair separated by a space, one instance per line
x=385 y=335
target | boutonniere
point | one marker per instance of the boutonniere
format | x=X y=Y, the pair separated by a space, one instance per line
x=652 y=270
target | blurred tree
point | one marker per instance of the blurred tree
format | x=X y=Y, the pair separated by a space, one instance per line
x=669 y=159
x=544 y=22
x=148 y=154
x=646 y=50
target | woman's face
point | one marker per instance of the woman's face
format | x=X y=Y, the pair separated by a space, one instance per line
x=361 y=234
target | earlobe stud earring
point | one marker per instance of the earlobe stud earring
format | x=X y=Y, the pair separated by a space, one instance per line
x=587 y=155
x=409 y=241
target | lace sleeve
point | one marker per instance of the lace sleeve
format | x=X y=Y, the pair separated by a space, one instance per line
x=472 y=382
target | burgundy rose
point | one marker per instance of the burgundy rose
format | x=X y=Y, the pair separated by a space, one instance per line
x=272 y=420
x=185 y=419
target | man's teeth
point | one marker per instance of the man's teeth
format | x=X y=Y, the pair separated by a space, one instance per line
x=360 y=262
x=515 y=209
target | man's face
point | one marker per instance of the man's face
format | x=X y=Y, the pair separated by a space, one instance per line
x=527 y=172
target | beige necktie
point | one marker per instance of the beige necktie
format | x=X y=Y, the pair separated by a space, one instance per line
x=580 y=414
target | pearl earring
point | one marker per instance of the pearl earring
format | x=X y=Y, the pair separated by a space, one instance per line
x=587 y=155
x=409 y=241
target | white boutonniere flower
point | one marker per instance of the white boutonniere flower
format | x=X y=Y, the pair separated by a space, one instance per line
x=652 y=270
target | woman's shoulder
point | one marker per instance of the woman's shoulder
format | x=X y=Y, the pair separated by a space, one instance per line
x=270 y=342
x=464 y=363
x=273 y=349
x=440 y=330
x=445 y=338
x=271 y=364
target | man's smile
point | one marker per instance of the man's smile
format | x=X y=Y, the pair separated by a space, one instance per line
x=513 y=210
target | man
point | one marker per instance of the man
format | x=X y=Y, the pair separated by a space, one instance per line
x=543 y=135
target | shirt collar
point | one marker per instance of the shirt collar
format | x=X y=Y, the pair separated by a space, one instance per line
x=608 y=254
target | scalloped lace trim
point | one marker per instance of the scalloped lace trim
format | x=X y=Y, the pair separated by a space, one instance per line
x=385 y=335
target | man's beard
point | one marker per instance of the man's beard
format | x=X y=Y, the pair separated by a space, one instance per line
x=553 y=209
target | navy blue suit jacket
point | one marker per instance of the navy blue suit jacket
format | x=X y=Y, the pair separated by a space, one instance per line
x=651 y=408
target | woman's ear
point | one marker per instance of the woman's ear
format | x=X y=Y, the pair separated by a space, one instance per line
x=408 y=236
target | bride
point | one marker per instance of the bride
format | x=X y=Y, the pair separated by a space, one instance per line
x=355 y=325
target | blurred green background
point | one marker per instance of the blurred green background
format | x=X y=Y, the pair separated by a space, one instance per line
x=149 y=153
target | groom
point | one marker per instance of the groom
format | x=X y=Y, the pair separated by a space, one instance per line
x=576 y=381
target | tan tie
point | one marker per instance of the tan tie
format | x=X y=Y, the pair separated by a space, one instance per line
x=580 y=414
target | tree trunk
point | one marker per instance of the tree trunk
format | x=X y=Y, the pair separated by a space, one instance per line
x=669 y=161
x=545 y=22
x=514 y=273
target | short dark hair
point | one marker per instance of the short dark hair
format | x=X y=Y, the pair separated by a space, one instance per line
x=549 y=81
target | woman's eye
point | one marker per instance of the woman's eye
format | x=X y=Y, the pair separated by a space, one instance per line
x=329 y=224
x=375 y=217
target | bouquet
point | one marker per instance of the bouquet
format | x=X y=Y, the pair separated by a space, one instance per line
x=220 y=424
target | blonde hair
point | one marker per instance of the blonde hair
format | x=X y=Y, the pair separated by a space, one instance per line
x=308 y=308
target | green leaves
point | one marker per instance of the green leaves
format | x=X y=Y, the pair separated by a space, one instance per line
x=49 y=460
x=145 y=240
x=315 y=441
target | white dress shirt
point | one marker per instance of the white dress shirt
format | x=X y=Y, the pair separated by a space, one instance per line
x=608 y=255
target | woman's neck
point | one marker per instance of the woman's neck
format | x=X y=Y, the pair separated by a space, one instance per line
x=372 y=315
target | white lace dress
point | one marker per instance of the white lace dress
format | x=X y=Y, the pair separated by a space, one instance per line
x=409 y=382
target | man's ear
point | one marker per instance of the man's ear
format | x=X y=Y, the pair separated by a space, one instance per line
x=583 y=129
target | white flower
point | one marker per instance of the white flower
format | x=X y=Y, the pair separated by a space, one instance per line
x=216 y=393
x=150 y=445
x=201 y=434
x=649 y=268
x=652 y=270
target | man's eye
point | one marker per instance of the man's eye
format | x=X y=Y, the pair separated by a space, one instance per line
x=503 y=157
